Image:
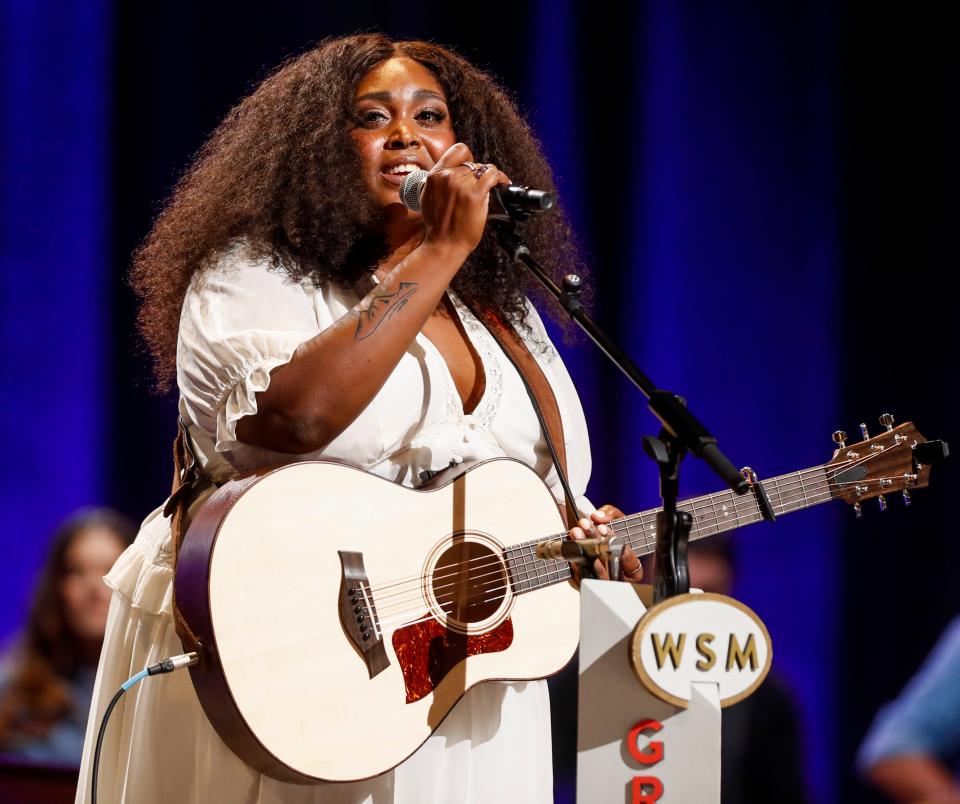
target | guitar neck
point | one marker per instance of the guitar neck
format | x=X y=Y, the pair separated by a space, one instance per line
x=712 y=514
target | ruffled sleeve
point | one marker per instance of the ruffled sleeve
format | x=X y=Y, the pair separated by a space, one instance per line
x=240 y=320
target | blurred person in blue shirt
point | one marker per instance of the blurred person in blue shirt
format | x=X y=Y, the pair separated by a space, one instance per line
x=46 y=677
x=912 y=750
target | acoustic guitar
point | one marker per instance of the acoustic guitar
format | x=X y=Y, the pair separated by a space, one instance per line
x=342 y=616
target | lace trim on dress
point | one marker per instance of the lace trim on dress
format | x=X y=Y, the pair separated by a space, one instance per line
x=490 y=356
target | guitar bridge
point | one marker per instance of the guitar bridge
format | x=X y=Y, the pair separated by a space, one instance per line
x=358 y=614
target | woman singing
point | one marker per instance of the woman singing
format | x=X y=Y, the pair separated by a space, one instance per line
x=306 y=314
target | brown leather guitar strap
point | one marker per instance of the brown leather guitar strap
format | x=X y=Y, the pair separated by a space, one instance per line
x=185 y=476
x=541 y=395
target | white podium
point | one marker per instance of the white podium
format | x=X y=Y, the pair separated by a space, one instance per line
x=631 y=746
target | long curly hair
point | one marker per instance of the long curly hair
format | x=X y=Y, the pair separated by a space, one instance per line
x=282 y=175
x=48 y=654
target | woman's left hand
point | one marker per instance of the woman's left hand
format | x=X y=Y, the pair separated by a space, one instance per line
x=596 y=527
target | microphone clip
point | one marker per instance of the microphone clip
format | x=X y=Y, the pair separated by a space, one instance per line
x=518 y=202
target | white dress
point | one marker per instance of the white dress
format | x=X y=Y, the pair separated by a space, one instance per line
x=240 y=322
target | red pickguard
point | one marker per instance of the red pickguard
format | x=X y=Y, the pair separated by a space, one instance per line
x=427 y=651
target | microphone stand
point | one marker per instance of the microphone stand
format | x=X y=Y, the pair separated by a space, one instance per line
x=682 y=432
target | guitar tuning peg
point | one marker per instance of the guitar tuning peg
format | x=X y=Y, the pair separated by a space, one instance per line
x=840 y=439
x=864 y=432
x=887 y=421
x=906 y=498
x=882 y=502
x=857 y=510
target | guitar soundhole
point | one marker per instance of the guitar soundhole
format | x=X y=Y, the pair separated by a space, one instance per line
x=469 y=582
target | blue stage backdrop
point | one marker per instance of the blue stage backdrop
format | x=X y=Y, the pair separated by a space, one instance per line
x=696 y=154
x=731 y=293
x=54 y=268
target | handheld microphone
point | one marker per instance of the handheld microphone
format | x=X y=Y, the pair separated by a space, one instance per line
x=514 y=202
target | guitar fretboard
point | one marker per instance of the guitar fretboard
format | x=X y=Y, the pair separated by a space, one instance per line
x=712 y=514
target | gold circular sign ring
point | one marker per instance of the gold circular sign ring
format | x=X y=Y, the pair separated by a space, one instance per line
x=639 y=632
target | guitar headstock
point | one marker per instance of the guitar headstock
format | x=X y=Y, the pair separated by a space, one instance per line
x=899 y=459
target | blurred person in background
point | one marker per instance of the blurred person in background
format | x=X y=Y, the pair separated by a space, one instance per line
x=46 y=677
x=912 y=750
x=760 y=743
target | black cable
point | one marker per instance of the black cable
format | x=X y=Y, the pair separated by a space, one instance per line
x=168 y=665
x=103 y=731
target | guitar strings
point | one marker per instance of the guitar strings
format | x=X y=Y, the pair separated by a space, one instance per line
x=741 y=506
x=496 y=562
x=840 y=467
x=740 y=503
x=496 y=565
x=787 y=498
x=392 y=624
x=621 y=527
x=401 y=621
x=780 y=488
x=541 y=571
x=643 y=541
x=538 y=570
x=499 y=564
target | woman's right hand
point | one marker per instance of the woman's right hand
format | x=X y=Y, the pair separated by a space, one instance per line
x=455 y=201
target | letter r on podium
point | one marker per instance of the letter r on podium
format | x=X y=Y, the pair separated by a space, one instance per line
x=639 y=797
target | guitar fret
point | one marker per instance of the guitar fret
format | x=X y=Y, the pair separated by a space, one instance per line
x=700 y=522
x=519 y=568
x=521 y=573
x=695 y=525
x=530 y=562
x=648 y=532
x=759 y=511
x=716 y=519
x=776 y=488
x=537 y=578
x=724 y=523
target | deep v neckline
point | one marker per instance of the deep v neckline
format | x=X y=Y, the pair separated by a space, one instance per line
x=480 y=394
x=471 y=404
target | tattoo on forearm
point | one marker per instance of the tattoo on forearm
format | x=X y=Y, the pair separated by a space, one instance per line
x=382 y=307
